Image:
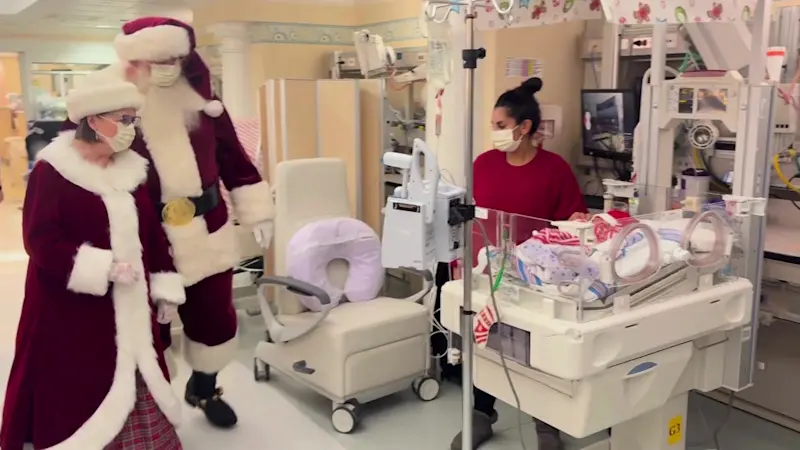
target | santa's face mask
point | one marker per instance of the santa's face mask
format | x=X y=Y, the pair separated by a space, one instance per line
x=165 y=75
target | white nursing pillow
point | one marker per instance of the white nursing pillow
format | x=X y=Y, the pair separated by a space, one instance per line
x=315 y=245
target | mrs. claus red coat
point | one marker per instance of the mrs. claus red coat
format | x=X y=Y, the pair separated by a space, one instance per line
x=81 y=339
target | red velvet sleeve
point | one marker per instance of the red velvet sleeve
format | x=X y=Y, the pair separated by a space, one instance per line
x=570 y=197
x=235 y=167
x=165 y=282
x=79 y=266
x=251 y=196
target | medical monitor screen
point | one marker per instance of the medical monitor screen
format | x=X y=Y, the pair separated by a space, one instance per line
x=609 y=117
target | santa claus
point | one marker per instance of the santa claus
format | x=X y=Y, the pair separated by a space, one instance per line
x=191 y=143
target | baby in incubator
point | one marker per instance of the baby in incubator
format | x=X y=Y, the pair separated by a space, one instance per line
x=555 y=261
x=555 y=257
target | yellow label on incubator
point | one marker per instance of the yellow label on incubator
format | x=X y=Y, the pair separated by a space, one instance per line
x=675 y=433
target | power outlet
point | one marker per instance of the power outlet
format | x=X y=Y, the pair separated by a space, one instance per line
x=672 y=40
x=642 y=43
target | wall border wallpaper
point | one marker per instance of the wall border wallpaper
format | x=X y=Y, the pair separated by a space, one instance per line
x=314 y=34
x=303 y=33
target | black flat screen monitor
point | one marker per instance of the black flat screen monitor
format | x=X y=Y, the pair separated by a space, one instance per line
x=608 y=120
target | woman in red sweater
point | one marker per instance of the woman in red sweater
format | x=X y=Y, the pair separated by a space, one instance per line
x=520 y=177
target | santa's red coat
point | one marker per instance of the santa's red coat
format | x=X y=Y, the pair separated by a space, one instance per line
x=192 y=145
x=81 y=339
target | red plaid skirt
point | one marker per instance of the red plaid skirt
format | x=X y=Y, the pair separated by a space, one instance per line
x=146 y=428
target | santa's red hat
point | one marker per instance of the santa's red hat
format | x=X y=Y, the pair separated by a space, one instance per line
x=157 y=39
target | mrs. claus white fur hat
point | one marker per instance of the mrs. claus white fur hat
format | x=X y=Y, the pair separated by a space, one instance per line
x=101 y=92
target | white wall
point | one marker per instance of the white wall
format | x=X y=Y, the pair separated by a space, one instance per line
x=34 y=51
x=67 y=52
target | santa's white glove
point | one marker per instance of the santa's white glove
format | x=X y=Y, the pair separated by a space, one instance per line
x=167 y=312
x=263 y=233
x=124 y=273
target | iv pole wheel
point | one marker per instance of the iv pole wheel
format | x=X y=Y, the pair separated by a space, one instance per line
x=426 y=388
x=260 y=370
x=344 y=418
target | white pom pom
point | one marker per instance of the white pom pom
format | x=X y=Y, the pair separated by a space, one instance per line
x=214 y=108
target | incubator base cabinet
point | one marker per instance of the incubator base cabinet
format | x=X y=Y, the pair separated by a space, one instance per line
x=352 y=352
x=625 y=356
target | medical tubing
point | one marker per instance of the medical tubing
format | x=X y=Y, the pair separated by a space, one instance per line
x=502 y=270
x=720 y=239
x=499 y=321
x=653 y=263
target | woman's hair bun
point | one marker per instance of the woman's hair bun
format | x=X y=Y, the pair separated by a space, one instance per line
x=531 y=85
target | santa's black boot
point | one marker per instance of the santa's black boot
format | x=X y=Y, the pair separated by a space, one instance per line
x=202 y=392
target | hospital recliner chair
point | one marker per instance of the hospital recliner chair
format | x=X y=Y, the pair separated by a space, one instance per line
x=355 y=352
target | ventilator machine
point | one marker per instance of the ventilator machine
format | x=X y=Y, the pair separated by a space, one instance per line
x=417 y=230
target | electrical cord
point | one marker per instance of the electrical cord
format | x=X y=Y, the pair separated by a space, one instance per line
x=506 y=371
x=793 y=202
x=776 y=164
x=707 y=166
x=728 y=411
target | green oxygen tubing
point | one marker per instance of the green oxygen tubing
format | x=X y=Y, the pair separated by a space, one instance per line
x=689 y=58
x=499 y=277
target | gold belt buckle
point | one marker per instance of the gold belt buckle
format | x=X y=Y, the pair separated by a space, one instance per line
x=178 y=212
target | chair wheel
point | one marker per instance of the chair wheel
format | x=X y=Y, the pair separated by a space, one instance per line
x=344 y=419
x=253 y=312
x=260 y=370
x=426 y=388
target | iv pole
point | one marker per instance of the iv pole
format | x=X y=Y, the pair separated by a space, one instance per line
x=470 y=56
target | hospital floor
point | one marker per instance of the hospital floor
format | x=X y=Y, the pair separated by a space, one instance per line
x=283 y=416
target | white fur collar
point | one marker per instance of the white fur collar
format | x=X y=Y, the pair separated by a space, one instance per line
x=126 y=172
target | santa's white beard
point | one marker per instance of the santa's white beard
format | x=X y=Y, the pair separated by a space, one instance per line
x=168 y=115
x=164 y=104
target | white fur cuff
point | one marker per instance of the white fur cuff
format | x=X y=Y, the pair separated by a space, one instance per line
x=253 y=203
x=90 y=272
x=167 y=286
x=203 y=358
x=153 y=44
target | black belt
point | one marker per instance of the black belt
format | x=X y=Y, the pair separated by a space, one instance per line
x=202 y=204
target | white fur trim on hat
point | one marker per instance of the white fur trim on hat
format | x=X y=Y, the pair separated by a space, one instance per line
x=153 y=44
x=100 y=93
x=214 y=108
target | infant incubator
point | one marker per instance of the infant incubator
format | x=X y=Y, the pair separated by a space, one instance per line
x=610 y=322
